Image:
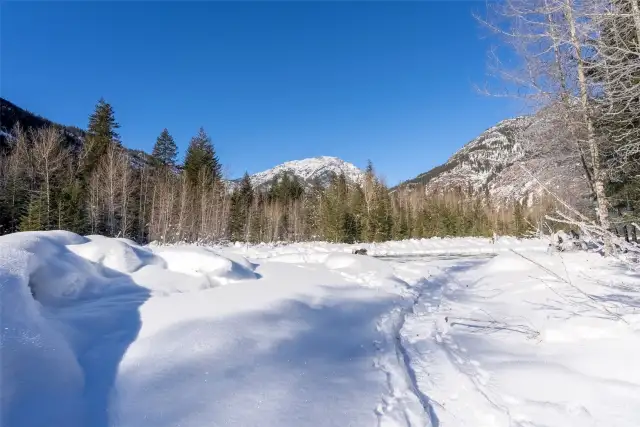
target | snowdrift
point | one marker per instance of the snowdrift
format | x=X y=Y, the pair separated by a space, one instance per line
x=62 y=294
x=103 y=332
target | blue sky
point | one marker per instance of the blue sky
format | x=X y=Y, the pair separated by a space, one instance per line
x=269 y=81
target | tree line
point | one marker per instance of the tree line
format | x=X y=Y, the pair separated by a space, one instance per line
x=100 y=187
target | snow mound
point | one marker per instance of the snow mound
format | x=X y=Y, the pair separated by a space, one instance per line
x=69 y=309
x=47 y=269
x=121 y=255
x=197 y=262
x=38 y=366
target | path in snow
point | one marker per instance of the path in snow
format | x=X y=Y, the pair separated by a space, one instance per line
x=520 y=342
x=423 y=360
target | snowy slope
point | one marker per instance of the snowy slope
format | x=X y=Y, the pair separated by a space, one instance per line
x=493 y=163
x=319 y=169
x=102 y=332
x=475 y=164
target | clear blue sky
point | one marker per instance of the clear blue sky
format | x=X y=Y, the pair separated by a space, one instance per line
x=269 y=81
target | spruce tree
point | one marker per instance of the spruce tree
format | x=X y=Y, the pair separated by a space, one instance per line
x=519 y=223
x=381 y=216
x=333 y=216
x=32 y=220
x=165 y=150
x=241 y=201
x=100 y=133
x=201 y=156
x=358 y=211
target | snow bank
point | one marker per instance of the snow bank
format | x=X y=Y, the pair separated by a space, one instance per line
x=120 y=255
x=198 y=262
x=69 y=309
x=41 y=378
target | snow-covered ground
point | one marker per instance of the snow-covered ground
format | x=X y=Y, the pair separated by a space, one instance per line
x=441 y=332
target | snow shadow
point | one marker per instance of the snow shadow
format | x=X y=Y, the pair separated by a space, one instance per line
x=105 y=328
x=68 y=380
x=299 y=363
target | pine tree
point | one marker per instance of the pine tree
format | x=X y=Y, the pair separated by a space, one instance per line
x=33 y=219
x=241 y=202
x=358 y=211
x=100 y=134
x=334 y=210
x=201 y=156
x=519 y=222
x=165 y=150
x=381 y=216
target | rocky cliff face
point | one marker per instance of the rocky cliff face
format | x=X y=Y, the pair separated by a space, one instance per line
x=511 y=160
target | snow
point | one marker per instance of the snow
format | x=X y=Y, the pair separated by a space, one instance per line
x=298 y=252
x=507 y=342
x=308 y=169
x=434 y=332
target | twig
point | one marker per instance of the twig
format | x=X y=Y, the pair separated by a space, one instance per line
x=598 y=304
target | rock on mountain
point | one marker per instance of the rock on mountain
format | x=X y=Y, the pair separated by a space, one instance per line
x=314 y=170
x=496 y=163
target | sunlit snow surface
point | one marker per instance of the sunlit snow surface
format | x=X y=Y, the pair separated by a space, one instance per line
x=440 y=332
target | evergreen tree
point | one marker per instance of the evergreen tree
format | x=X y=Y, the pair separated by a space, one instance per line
x=72 y=215
x=201 y=156
x=369 y=169
x=358 y=211
x=32 y=220
x=519 y=222
x=381 y=215
x=241 y=201
x=165 y=150
x=101 y=132
x=334 y=210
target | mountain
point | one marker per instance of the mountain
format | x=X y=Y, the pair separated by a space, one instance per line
x=509 y=161
x=314 y=170
x=10 y=114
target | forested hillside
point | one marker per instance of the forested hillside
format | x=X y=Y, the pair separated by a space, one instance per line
x=97 y=186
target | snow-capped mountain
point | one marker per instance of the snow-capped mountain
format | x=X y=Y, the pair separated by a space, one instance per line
x=507 y=160
x=316 y=169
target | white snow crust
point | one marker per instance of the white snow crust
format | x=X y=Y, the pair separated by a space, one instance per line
x=438 y=332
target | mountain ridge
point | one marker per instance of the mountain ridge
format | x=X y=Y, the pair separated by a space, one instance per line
x=309 y=171
x=508 y=162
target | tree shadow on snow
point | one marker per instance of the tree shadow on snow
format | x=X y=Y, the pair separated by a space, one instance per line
x=299 y=363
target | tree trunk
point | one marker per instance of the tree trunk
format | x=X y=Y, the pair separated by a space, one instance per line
x=598 y=178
